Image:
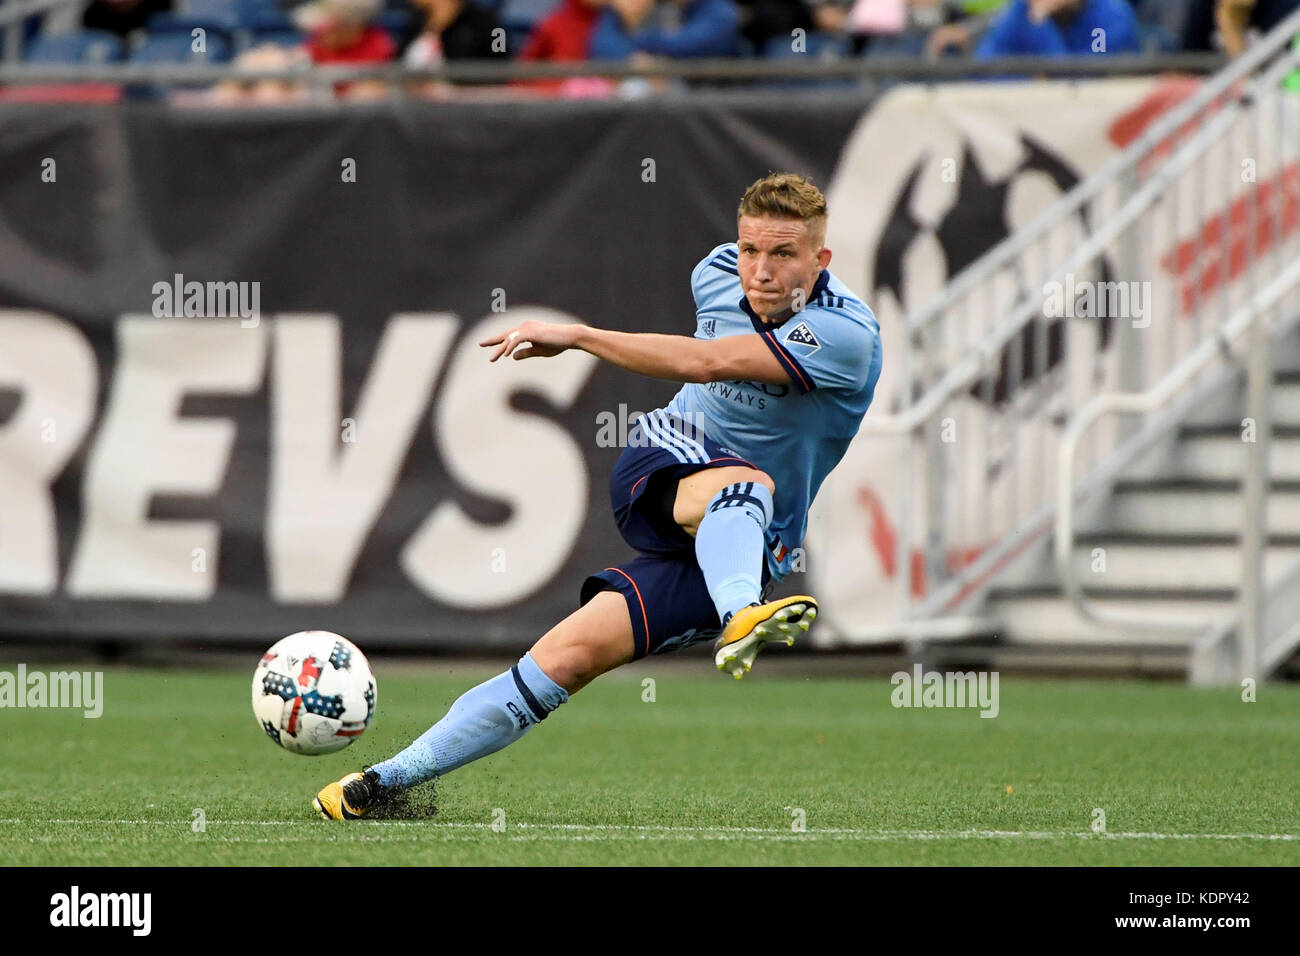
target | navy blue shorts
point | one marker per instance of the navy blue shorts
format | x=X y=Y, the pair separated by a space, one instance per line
x=664 y=587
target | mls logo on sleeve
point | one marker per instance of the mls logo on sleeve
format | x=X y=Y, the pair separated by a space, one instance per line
x=802 y=335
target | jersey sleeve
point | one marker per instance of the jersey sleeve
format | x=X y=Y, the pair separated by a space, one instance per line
x=825 y=349
x=714 y=272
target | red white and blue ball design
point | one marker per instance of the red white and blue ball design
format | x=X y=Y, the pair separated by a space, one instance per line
x=314 y=693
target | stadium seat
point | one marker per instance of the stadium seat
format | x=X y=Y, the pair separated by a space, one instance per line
x=816 y=44
x=229 y=11
x=820 y=46
x=265 y=19
x=516 y=14
x=287 y=38
x=87 y=46
x=176 y=48
x=397 y=22
x=1157 y=38
x=180 y=24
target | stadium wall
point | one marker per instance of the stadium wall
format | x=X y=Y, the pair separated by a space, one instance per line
x=338 y=453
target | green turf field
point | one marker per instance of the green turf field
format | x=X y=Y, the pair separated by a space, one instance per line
x=711 y=772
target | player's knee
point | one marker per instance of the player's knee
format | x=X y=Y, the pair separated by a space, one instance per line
x=695 y=492
x=593 y=640
x=575 y=664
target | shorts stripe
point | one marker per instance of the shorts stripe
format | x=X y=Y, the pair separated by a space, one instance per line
x=643 y=650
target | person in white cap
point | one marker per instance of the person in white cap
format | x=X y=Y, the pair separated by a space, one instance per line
x=343 y=31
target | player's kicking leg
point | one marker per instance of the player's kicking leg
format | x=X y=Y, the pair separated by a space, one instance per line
x=727 y=511
x=591 y=641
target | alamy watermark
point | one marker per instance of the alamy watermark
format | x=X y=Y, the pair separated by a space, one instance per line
x=77 y=909
x=208 y=300
x=950 y=689
x=618 y=429
x=82 y=690
x=1085 y=299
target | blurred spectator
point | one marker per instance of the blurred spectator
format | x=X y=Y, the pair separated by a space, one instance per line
x=1061 y=28
x=893 y=27
x=344 y=31
x=831 y=16
x=562 y=37
x=958 y=24
x=667 y=28
x=565 y=35
x=263 y=92
x=455 y=30
x=122 y=16
x=761 y=21
x=1235 y=18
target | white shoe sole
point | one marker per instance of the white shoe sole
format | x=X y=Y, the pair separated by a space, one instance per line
x=738 y=657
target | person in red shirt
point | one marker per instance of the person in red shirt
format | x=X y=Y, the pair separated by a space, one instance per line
x=342 y=31
x=561 y=37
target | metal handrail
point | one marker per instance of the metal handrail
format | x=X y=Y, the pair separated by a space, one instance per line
x=1085 y=191
x=978 y=357
x=961 y=375
x=19 y=10
x=1211 y=349
x=505 y=70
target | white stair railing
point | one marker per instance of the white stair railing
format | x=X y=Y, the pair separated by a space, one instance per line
x=990 y=339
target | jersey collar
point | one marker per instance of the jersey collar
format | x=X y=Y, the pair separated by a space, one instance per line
x=760 y=326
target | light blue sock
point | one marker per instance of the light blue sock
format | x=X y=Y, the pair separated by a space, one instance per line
x=481 y=721
x=729 y=545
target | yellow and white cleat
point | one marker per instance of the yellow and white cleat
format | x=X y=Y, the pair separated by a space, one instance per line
x=752 y=627
x=350 y=798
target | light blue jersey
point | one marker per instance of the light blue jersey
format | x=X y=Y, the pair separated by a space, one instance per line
x=798 y=432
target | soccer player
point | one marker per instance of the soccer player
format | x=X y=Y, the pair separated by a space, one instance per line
x=713 y=490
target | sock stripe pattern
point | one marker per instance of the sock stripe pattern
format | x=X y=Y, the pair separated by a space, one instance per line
x=534 y=705
x=738 y=496
x=484 y=719
x=729 y=546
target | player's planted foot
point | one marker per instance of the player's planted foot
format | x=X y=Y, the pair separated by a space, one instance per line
x=352 y=797
x=751 y=627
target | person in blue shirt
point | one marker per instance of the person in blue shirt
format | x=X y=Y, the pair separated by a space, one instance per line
x=672 y=28
x=713 y=489
x=1061 y=28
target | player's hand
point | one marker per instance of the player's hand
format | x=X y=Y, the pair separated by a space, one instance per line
x=533 y=339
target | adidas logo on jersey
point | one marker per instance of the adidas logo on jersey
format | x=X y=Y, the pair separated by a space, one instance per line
x=802 y=335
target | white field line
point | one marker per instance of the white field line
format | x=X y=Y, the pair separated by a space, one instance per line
x=582 y=831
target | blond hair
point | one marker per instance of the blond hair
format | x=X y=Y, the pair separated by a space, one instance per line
x=787 y=196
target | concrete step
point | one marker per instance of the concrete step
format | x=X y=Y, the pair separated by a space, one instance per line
x=1218 y=452
x=1286 y=398
x=1042 y=616
x=1227 y=407
x=1196 y=506
x=1208 y=561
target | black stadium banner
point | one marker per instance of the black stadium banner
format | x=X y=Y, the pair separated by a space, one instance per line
x=240 y=388
x=338 y=452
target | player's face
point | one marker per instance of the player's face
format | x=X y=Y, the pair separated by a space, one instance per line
x=778 y=258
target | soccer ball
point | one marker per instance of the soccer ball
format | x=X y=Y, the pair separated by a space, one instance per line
x=314 y=693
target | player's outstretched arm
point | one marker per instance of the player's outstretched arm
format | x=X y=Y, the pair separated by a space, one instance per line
x=677 y=358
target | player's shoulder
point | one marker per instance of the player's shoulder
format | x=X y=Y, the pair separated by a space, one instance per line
x=716 y=274
x=721 y=259
x=836 y=307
